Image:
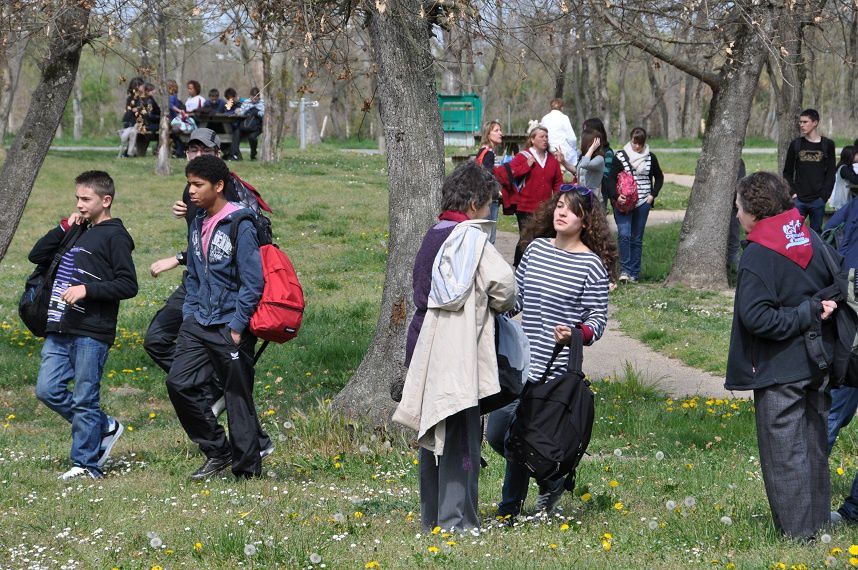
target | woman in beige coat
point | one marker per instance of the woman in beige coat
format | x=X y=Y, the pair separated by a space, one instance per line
x=459 y=279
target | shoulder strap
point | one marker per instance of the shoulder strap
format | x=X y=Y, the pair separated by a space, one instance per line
x=576 y=355
x=233 y=237
x=482 y=155
x=66 y=244
x=624 y=160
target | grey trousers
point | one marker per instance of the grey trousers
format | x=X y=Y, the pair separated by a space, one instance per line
x=792 y=434
x=448 y=488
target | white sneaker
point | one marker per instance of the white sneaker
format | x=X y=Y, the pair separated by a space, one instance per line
x=266 y=452
x=219 y=406
x=77 y=471
x=109 y=439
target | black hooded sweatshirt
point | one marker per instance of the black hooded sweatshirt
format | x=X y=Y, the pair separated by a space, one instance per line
x=100 y=260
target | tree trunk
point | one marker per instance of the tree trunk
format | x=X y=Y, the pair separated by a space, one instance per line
x=11 y=72
x=77 y=129
x=673 y=104
x=603 y=106
x=622 y=121
x=266 y=149
x=162 y=164
x=23 y=161
x=658 y=96
x=787 y=64
x=702 y=250
x=412 y=127
x=852 y=65
x=565 y=55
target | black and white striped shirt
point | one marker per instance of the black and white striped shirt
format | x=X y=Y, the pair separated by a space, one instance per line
x=557 y=287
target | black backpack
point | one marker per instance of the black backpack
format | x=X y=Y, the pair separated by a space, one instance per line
x=36 y=298
x=844 y=363
x=554 y=420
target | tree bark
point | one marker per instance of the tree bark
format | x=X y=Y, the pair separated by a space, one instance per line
x=412 y=127
x=11 y=72
x=266 y=149
x=68 y=33
x=622 y=121
x=162 y=164
x=701 y=255
x=77 y=110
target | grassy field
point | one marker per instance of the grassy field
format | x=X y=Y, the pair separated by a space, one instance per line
x=668 y=483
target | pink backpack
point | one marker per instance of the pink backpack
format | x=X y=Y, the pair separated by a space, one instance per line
x=626 y=186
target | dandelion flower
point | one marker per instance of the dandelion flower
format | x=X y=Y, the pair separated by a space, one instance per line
x=564 y=527
x=436 y=530
x=606 y=545
x=653 y=524
x=825 y=539
x=618 y=505
x=339 y=517
x=618 y=452
x=151 y=534
x=249 y=549
x=152 y=415
x=363 y=449
x=156 y=542
x=287 y=425
x=371 y=564
x=198 y=546
x=670 y=505
x=726 y=520
x=586 y=497
x=614 y=483
x=315 y=558
x=840 y=471
x=433 y=549
x=689 y=502
x=552 y=545
x=853 y=561
x=853 y=550
x=659 y=455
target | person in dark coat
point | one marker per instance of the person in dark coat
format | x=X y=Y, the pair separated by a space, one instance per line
x=775 y=314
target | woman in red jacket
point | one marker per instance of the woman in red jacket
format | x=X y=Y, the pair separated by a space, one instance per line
x=543 y=180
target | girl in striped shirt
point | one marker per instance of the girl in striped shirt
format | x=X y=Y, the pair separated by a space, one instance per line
x=562 y=283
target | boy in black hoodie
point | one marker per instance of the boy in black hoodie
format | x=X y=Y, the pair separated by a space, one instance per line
x=92 y=277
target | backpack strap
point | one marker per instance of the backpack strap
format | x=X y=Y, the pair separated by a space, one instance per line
x=233 y=237
x=482 y=154
x=576 y=355
x=68 y=241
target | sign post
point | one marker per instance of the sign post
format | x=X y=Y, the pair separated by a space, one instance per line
x=302 y=104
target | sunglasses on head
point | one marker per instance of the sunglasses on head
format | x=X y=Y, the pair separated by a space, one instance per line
x=582 y=190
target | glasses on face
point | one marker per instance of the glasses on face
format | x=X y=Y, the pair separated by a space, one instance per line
x=200 y=150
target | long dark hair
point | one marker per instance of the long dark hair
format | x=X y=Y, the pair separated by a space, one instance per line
x=847 y=156
x=595 y=233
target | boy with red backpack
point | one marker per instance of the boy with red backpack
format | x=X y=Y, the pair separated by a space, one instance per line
x=223 y=288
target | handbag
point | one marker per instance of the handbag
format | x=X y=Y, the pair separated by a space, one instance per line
x=36 y=298
x=186 y=125
x=513 y=357
x=251 y=121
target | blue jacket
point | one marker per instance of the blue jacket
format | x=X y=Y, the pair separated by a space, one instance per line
x=226 y=287
x=849 y=242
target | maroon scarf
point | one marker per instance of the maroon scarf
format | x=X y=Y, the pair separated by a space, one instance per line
x=453 y=216
x=785 y=234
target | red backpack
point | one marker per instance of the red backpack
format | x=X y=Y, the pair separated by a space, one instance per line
x=626 y=186
x=281 y=307
x=278 y=315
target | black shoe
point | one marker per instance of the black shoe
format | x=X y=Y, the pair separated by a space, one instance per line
x=212 y=466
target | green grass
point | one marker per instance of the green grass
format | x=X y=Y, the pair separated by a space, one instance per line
x=337 y=488
x=673 y=197
x=686 y=162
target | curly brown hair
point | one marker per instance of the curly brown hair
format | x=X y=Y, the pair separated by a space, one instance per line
x=764 y=194
x=595 y=233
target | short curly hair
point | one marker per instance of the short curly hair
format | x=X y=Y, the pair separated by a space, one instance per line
x=468 y=183
x=208 y=167
x=764 y=194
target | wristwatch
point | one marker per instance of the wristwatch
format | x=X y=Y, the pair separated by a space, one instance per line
x=180 y=257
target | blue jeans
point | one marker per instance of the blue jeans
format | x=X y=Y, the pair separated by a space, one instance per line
x=67 y=357
x=844 y=402
x=493 y=216
x=815 y=209
x=630 y=232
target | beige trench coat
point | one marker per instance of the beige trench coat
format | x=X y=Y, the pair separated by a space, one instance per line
x=454 y=362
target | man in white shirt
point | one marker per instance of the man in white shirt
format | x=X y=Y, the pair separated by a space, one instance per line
x=561 y=136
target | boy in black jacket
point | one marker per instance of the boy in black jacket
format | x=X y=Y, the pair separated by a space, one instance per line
x=91 y=279
x=810 y=166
